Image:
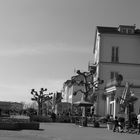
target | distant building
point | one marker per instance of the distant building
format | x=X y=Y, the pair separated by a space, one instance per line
x=5 y=107
x=68 y=92
x=73 y=92
x=70 y=89
x=116 y=52
x=57 y=102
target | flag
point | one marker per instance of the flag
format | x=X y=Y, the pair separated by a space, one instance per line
x=125 y=93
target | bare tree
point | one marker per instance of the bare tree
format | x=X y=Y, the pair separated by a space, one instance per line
x=85 y=80
x=40 y=97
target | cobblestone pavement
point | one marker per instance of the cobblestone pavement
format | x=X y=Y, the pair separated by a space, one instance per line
x=63 y=131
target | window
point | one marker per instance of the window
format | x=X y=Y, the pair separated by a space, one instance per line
x=126 y=29
x=115 y=54
x=123 y=30
x=129 y=31
x=113 y=75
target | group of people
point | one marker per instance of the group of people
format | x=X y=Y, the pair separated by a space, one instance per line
x=119 y=124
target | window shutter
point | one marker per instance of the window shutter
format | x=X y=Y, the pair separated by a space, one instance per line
x=113 y=53
x=117 y=54
x=111 y=75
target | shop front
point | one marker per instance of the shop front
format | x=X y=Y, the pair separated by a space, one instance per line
x=121 y=100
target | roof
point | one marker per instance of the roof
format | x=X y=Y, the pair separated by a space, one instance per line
x=102 y=29
x=115 y=30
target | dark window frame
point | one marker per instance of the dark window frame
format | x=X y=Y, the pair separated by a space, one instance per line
x=115 y=54
x=113 y=75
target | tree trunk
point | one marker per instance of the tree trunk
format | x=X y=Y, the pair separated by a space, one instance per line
x=39 y=109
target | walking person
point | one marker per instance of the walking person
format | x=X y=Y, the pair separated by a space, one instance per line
x=53 y=116
x=138 y=117
x=121 y=122
x=116 y=124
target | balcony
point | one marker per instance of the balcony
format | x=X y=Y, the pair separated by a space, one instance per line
x=111 y=82
x=92 y=67
x=117 y=81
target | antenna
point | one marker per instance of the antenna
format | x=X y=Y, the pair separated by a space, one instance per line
x=75 y=71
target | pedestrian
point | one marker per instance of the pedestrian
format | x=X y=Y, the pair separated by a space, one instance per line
x=115 y=124
x=121 y=121
x=111 y=118
x=138 y=117
x=53 y=116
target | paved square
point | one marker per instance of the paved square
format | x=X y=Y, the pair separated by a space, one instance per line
x=63 y=131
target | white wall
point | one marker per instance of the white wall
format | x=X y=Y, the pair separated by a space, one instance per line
x=79 y=94
x=129 y=47
x=130 y=73
x=68 y=94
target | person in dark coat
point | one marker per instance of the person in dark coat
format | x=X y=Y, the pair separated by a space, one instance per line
x=121 y=122
x=53 y=116
x=116 y=124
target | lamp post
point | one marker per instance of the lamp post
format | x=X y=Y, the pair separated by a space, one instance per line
x=40 y=98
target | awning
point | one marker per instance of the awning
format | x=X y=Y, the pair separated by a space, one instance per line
x=83 y=103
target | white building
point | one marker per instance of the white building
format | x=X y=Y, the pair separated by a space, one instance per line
x=116 y=51
x=68 y=90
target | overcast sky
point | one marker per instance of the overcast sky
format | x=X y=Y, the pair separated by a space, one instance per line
x=43 y=41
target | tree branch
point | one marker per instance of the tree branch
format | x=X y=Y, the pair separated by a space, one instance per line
x=79 y=91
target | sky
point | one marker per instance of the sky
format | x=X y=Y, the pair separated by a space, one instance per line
x=42 y=42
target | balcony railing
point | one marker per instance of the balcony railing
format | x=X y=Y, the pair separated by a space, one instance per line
x=92 y=67
x=111 y=82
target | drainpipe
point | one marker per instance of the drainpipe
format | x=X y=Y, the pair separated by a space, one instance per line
x=114 y=108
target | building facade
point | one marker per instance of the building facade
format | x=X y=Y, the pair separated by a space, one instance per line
x=7 y=107
x=116 y=52
x=68 y=90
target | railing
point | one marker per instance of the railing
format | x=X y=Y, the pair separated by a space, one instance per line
x=111 y=82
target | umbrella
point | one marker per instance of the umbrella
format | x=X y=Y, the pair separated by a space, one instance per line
x=83 y=103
